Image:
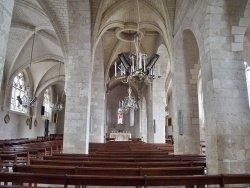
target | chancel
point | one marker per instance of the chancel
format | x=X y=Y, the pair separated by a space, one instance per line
x=173 y=75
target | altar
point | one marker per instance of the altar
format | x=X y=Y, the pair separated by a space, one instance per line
x=120 y=136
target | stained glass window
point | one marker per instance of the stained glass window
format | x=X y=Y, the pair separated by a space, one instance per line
x=18 y=94
x=46 y=103
x=120 y=119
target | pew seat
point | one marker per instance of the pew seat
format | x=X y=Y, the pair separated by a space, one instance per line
x=155 y=171
x=117 y=164
x=222 y=180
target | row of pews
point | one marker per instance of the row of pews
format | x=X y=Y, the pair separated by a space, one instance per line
x=130 y=163
x=20 y=151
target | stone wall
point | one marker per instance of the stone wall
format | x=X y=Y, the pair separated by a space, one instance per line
x=223 y=83
x=185 y=100
x=225 y=97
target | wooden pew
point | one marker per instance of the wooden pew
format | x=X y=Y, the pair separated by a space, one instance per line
x=122 y=159
x=20 y=186
x=123 y=154
x=34 y=152
x=160 y=171
x=84 y=163
x=116 y=164
x=9 y=160
x=50 y=146
x=200 y=181
x=135 y=139
x=101 y=154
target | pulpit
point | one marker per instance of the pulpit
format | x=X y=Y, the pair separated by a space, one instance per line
x=120 y=136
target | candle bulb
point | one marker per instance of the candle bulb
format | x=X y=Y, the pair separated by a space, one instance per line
x=151 y=71
x=140 y=61
x=121 y=70
x=115 y=69
x=144 y=63
x=159 y=70
x=133 y=64
x=124 y=70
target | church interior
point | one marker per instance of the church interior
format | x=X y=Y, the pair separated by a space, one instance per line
x=127 y=78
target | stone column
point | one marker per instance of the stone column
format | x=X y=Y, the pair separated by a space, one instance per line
x=227 y=118
x=150 y=122
x=158 y=100
x=143 y=119
x=6 y=9
x=77 y=84
x=97 y=98
x=185 y=97
x=186 y=121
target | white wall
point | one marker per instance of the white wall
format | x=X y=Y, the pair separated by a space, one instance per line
x=17 y=127
x=9 y=130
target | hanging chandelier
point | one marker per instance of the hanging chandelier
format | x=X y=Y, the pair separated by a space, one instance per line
x=136 y=67
x=26 y=100
x=58 y=106
x=129 y=102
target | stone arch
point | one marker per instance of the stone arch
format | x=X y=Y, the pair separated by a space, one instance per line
x=34 y=61
x=246 y=44
x=47 y=84
x=238 y=31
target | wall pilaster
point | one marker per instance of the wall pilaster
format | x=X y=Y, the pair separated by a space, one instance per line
x=149 y=111
x=97 y=98
x=158 y=97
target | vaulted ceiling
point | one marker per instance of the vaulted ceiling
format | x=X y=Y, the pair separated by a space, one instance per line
x=43 y=26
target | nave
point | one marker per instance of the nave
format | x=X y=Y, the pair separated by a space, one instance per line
x=149 y=69
x=115 y=163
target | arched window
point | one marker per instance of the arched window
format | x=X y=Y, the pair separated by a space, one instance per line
x=18 y=94
x=46 y=103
